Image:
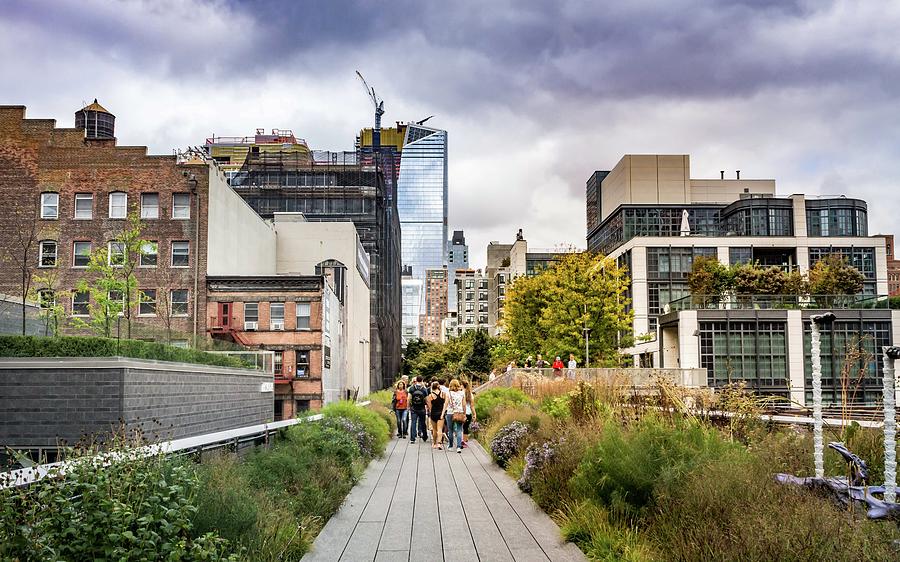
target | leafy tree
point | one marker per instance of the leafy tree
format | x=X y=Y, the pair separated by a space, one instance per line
x=46 y=292
x=114 y=291
x=548 y=312
x=20 y=247
x=479 y=358
x=832 y=275
x=709 y=276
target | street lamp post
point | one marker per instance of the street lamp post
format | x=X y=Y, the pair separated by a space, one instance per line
x=889 y=388
x=816 y=348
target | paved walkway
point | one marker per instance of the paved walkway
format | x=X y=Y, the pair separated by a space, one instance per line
x=419 y=504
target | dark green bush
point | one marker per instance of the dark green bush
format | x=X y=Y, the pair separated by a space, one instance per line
x=135 y=508
x=79 y=346
x=375 y=425
x=491 y=401
x=628 y=468
x=733 y=509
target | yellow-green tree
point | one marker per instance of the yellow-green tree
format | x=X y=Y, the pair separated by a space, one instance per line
x=547 y=313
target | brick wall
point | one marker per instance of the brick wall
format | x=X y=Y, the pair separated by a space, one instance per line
x=44 y=401
x=36 y=157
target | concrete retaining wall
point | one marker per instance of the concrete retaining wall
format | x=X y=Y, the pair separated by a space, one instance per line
x=47 y=401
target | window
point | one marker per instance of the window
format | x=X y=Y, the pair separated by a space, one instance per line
x=116 y=255
x=48 y=253
x=279 y=362
x=180 y=253
x=149 y=253
x=147 y=305
x=251 y=313
x=738 y=255
x=301 y=405
x=81 y=254
x=276 y=315
x=751 y=351
x=302 y=363
x=46 y=298
x=80 y=301
x=303 y=309
x=118 y=205
x=84 y=206
x=149 y=205
x=49 y=205
x=116 y=302
x=178 y=299
x=181 y=205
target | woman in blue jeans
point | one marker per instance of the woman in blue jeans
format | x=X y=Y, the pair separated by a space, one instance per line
x=456 y=409
x=400 y=403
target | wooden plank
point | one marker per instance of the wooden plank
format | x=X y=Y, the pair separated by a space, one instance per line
x=454 y=526
x=397 y=533
x=333 y=538
x=427 y=536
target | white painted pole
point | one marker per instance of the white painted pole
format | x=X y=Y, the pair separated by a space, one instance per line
x=816 y=348
x=890 y=428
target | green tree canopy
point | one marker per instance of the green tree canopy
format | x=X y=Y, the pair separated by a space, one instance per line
x=548 y=312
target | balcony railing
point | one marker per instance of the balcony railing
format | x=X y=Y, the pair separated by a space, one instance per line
x=778 y=302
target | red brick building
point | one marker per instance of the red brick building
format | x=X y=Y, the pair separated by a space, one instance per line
x=75 y=187
x=893 y=266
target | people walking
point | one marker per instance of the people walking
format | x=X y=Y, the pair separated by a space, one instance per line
x=400 y=405
x=448 y=423
x=470 y=412
x=417 y=406
x=456 y=411
x=540 y=363
x=557 y=367
x=437 y=407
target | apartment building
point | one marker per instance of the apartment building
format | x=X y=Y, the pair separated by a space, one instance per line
x=435 y=309
x=649 y=214
x=893 y=265
x=472 y=301
x=72 y=190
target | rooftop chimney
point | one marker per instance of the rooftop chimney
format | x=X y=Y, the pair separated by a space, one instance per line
x=738 y=174
x=722 y=174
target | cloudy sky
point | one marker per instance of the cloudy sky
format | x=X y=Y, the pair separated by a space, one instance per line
x=535 y=95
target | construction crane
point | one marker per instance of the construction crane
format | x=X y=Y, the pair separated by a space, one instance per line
x=379 y=111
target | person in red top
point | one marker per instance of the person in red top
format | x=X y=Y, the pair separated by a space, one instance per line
x=557 y=367
x=400 y=405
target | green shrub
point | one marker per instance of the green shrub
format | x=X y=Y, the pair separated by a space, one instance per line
x=588 y=526
x=78 y=346
x=627 y=468
x=733 y=509
x=557 y=407
x=382 y=397
x=136 y=508
x=490 y=401
x=386 y=414
x=550 y=482
x=375 y=425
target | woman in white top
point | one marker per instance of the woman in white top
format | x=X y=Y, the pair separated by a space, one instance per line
x=456 y=407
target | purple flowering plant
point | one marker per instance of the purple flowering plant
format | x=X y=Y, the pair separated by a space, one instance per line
x=537 y=456
x=508 y=441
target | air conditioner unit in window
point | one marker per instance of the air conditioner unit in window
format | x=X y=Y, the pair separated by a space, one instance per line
x=278 y=324
x=251 y=326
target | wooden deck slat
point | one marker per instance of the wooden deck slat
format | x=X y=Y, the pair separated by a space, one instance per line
x=438 y=506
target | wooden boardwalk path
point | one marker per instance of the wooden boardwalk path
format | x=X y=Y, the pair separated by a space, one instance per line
x=419 y=504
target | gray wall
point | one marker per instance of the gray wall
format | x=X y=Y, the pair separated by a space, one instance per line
x=43 y=401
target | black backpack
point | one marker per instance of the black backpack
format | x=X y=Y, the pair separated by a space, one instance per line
x=417 y=397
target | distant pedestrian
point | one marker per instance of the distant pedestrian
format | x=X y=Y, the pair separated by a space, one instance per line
x=400 y=405
x=418 y=405
x=557 y=367
x=437 y=407
x=470 y=412
x=448 y=423
x=493 y=375
x=529 y=362
x=572 y=365
x=540 y=363
x=456 y=410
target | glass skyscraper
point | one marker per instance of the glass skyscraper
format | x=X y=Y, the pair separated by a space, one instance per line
x=422 y=209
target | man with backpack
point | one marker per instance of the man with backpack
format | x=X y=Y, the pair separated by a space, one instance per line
x=417 y=395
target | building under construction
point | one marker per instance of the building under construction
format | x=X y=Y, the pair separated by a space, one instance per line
x=278 y=172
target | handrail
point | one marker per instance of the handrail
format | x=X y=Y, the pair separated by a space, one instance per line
x=206 y=442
